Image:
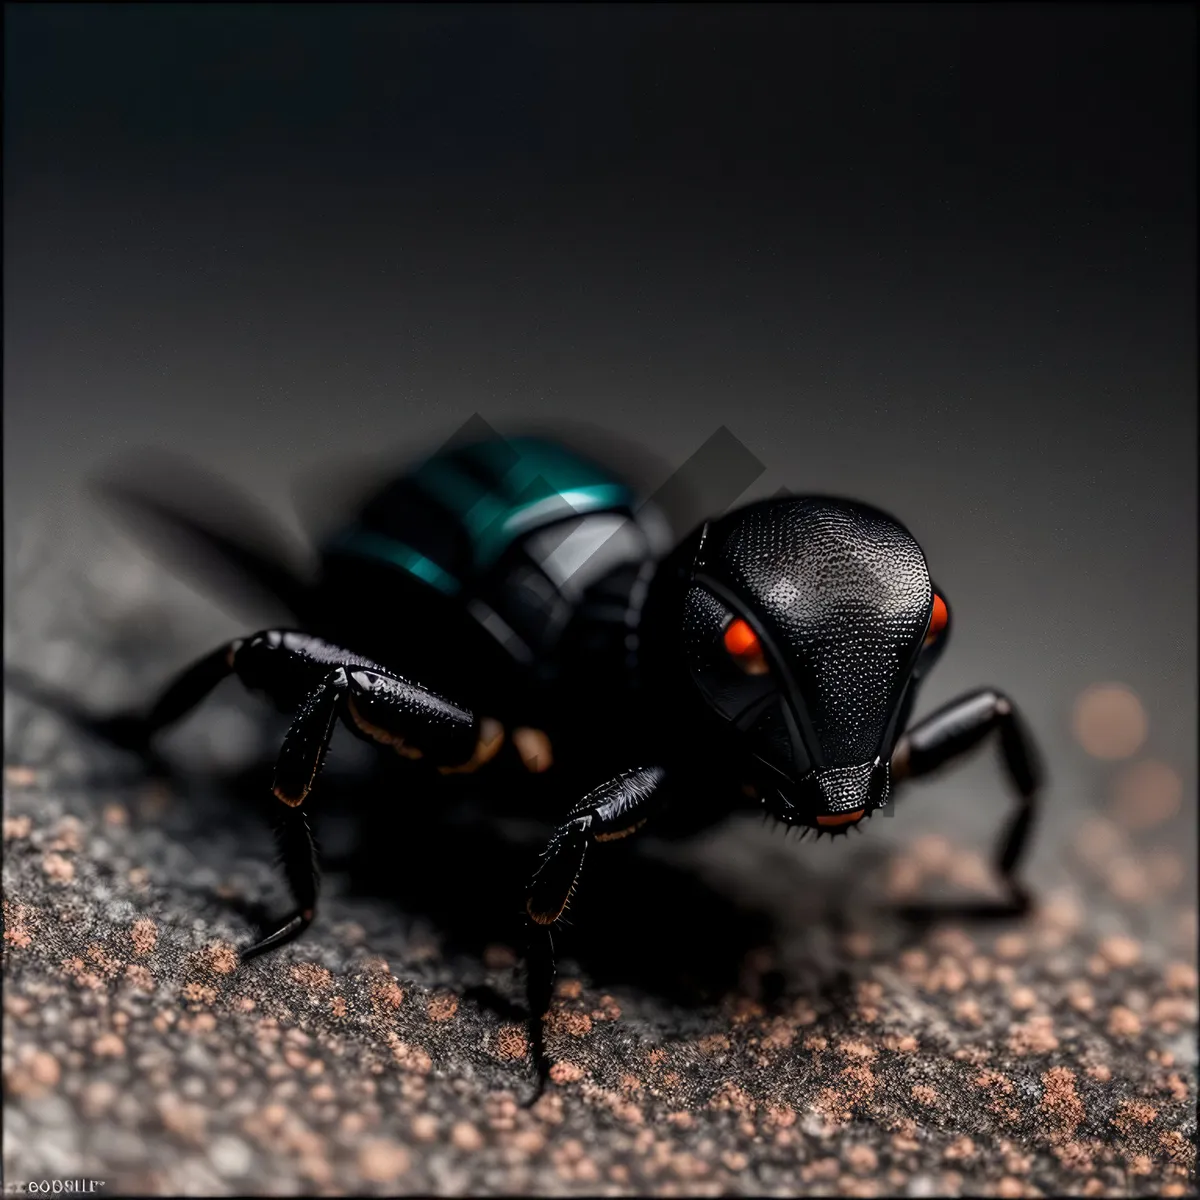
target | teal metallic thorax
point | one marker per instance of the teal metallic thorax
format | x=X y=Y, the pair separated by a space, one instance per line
x=498 y=491
x=366 y=544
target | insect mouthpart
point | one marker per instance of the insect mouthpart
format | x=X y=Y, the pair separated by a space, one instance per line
x=843 y=818
x=834 y=798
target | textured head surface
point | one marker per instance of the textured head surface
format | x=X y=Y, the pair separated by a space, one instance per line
x=835 y=598
x=843 y=592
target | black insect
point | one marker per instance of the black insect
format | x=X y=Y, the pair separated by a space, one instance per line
x=775 y=652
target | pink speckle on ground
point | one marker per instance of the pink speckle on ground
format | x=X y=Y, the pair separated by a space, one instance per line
x=511 y=1043
x=959 y=1149
x=466 y=1137
x=18 y=936
x=1121 y=951
x=1036 y=1036
x=565 y=1072
x=108 y=1045
x=1123 y=1022
x=198 y=993
x=58 y=868
x=386 y=997
x=222 y=958
x=144 y=936
x=576 y=1024
x=1061 y=1106
x=441 y=1006
x=424 y=1127
x=1133 y=1113
x=382 y=1161
x=410 y=1058
x=312 y=976
x=16 y=827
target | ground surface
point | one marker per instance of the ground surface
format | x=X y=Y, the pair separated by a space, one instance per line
x=738 y=1014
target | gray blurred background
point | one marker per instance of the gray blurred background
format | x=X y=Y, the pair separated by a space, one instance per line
x=940 y=258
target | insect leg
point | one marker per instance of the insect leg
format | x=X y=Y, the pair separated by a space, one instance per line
x=414 y=722
x=132 y=730
x=962 y=725
x=298 y=856
x=189 y=688
x=614 y=810
x=375 y=705
x=296 y=771
x=307 y=740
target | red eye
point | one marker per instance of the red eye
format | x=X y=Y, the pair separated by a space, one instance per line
x=744 y=648
x=939 y=619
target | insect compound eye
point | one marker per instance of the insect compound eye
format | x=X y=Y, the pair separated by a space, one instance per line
x=938 y=621
x=744 y=648
x=723 y=655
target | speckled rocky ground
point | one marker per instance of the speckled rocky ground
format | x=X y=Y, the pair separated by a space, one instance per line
x=824 y=1046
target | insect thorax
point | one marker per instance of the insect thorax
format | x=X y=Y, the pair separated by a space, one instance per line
x=496 y=569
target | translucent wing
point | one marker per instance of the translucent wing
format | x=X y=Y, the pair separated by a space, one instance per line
x=207 y=532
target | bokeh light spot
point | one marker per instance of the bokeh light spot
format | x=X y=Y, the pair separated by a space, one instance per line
x=1146 y=794
x=1109 y=721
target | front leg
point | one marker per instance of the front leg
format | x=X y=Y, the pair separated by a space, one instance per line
x=375 y=703
x=962 y=725
x=296 y=771
x=615 y=810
